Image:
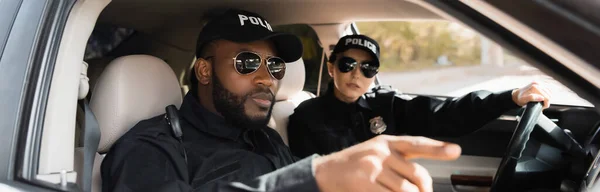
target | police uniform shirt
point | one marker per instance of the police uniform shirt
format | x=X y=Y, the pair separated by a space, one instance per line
x=325 y=124
x=220 y=157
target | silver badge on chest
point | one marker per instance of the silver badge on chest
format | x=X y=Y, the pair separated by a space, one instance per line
x=377 y=125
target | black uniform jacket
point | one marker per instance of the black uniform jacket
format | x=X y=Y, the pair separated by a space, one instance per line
x=325 y=124
x=220 y=157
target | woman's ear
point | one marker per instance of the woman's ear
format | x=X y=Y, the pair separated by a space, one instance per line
x=330 y=68
x=203 y=71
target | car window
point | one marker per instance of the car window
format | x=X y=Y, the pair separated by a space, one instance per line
x=312 y=56
x=443 y=58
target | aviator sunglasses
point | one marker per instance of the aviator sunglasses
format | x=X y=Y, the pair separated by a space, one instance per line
x=368 y=68
x=247 y=62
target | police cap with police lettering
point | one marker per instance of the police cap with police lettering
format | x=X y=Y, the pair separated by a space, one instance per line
x=358 y=42
x=242 y=27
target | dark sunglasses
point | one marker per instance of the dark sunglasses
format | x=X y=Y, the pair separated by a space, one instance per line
x=247 y=62
x=368 y=68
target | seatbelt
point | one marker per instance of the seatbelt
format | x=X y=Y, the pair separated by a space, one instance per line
x=91 y=139
x=321 y=72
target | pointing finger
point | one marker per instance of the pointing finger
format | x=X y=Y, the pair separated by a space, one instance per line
x=422 y=147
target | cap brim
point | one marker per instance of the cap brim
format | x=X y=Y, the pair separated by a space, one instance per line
x=289 y=47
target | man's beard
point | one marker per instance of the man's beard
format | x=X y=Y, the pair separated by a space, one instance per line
x=231 y=106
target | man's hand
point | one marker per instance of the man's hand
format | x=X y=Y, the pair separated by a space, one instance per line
x=532 y=93
x=382 y=164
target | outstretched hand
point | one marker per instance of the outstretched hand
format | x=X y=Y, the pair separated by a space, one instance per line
x=382 y=164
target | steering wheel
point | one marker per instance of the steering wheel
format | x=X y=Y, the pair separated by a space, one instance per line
x=506 y=171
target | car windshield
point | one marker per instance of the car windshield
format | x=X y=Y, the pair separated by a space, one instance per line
x=446 y=59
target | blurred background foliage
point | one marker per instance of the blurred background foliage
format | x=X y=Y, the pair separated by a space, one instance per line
x=417 y=45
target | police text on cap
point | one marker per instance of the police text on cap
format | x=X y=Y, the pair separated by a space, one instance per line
x=255 y=21
x=362 y=42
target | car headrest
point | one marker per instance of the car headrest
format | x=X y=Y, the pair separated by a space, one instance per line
x=292 y=82
x=132 y=88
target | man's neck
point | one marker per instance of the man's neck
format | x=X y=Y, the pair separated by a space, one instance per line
x=206 y=102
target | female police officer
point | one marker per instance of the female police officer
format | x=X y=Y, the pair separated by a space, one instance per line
x=346 y=114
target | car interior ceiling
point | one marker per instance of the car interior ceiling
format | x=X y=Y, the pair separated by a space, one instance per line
x=169 y=33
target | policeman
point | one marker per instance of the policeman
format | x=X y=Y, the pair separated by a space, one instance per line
x=346 y=114
x=226 y=145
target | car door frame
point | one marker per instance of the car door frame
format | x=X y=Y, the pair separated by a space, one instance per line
x=30 y=35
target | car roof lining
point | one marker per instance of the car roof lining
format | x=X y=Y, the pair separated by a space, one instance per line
x=151 y=15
